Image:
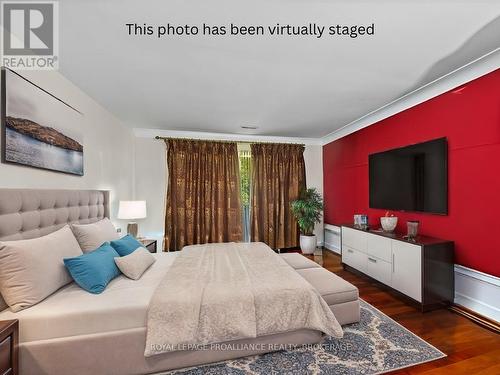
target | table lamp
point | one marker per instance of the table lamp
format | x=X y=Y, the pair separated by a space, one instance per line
x=132 y=210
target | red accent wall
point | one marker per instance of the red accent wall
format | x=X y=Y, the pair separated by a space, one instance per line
x=470 y=119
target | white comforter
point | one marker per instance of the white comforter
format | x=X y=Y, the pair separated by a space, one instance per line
x=222 y=292
x=72 y=311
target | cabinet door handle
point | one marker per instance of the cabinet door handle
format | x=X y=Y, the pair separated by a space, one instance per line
x=393 y=263
x=372 y=260
x=349 y=251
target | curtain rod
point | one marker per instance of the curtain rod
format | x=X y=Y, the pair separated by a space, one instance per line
x=226 y=141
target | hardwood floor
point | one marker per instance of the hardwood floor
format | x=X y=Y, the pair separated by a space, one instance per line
x=471 y=349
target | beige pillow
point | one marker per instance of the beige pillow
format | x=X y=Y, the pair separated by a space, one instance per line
x=136 y=263
x=91 y=236
x=31 y=270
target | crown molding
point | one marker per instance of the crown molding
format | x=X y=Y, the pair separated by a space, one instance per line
x=466 y=73
x=151 y=133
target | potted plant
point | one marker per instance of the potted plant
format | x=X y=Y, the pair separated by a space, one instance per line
x=307 y=210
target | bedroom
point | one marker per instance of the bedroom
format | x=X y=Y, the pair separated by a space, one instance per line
x=208 y=139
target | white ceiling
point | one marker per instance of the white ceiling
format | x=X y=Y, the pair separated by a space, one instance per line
x=288 y=86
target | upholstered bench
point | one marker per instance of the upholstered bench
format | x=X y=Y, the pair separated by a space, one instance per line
x=340 y=295
x=298 y=261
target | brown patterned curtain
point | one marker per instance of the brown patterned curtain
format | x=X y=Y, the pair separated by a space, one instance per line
x=203 y=196
x=278 y=175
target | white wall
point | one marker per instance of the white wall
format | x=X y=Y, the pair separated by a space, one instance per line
x=151 y=175
x=150 y=185
x=108 y=148
x=313 y=158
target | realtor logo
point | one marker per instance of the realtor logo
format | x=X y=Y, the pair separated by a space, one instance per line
x=30 y=34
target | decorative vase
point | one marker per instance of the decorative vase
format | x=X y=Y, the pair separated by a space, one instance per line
x=389 y=223
x=412 y=229
x=308 y=244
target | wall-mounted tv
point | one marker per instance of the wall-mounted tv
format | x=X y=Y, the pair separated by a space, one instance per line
x=411 y=178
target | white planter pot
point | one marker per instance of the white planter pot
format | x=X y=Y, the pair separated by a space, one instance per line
x=308 y=244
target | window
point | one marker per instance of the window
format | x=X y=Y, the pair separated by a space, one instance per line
x=245 y=159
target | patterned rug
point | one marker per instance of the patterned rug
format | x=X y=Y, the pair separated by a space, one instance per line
x=375 y=345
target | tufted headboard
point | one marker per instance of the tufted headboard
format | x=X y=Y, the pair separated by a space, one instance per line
x=31 y=213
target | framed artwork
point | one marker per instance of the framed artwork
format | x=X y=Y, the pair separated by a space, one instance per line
x=39 y=130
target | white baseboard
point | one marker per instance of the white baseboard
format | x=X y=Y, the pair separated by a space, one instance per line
x=332 y=235
x=478 y=292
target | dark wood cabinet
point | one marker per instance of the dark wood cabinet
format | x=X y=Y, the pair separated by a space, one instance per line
x=149 y=244
x=9 y=340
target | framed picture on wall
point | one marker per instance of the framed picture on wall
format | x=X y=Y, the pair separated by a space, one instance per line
x=39 y=130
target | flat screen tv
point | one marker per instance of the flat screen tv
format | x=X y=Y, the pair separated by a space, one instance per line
x=411 y=178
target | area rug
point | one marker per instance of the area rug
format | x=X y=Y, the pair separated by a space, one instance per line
x=375 y=345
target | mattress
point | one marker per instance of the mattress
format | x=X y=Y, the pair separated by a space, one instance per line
x=72 y=311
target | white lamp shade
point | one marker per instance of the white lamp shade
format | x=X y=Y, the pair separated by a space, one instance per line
x=132 y=210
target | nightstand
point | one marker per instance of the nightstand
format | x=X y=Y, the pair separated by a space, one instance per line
x=9 y=339
x=149 y=244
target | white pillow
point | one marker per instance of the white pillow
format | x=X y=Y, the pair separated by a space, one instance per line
x=31 y=270
x=91 y=236
x=136 y=263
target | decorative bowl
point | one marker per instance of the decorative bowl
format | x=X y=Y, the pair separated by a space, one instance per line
x=389 y=223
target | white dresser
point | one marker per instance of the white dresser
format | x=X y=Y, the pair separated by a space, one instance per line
x=421 y=270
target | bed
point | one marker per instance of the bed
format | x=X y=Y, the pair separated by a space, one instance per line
x=75 y=332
